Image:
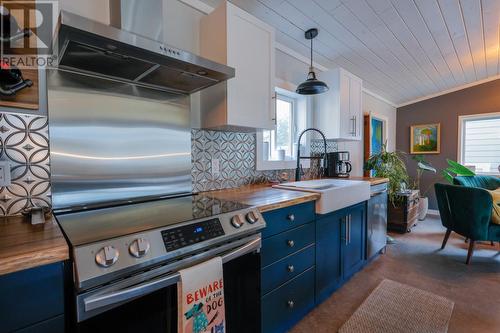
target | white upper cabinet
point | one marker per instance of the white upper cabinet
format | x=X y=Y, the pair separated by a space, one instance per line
x=246 y=102
x=338 y=112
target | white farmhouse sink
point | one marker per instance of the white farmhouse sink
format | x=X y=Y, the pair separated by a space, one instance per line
x=335 y=193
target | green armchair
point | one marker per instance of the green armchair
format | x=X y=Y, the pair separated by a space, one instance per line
x=466 y=211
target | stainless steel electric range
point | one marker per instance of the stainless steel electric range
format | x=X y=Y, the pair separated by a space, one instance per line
x=126 y=255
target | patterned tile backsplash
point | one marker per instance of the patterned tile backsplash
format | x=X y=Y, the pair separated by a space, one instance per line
x=236 y=155
x=24 y=143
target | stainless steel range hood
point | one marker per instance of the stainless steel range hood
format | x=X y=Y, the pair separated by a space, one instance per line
x=87 y=46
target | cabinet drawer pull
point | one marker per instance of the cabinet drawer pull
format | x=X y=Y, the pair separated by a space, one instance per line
x=346 y=227
x=349 y=234
x=290 y=268
x=290 y=243
x=290 y=304
x=291 y=217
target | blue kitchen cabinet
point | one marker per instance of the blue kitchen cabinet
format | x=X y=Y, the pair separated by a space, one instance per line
x=32 y=300
x=288 y=271
x=353 y=247
x=305 y=258
x=328 y=249
x=340 y=248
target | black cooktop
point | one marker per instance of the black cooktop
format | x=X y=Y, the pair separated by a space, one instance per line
x=100 y=224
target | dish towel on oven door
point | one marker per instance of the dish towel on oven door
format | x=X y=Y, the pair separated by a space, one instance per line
x=201 y=298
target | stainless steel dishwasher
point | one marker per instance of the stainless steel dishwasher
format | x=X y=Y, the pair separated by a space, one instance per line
x=376 y=220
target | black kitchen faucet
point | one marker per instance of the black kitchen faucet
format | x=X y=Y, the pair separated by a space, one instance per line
x=299 y=166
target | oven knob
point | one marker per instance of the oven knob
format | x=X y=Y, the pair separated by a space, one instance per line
x=107 y=256
x=252 y=217
x=237 y=221
x=139 y=247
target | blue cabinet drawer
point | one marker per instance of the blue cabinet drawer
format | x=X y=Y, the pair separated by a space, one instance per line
x=283 y=219
x=279 y=246
x=283 y=270
x=285 y=306
x=31 y=296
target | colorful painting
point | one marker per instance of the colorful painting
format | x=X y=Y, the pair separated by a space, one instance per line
x=377 y=132
x=425 y=139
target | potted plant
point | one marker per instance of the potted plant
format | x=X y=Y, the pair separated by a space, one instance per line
x=389 y=165
x=422 y=166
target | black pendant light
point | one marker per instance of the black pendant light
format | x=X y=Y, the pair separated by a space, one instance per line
x=311 y=86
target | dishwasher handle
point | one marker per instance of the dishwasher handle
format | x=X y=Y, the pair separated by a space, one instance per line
x=102 y=300
x=374 y=194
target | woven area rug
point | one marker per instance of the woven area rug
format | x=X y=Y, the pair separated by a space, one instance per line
x=398 y=308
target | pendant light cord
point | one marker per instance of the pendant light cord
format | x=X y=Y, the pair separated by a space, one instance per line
x=311 y=68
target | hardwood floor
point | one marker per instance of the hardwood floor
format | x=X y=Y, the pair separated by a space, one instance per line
x=417 y=260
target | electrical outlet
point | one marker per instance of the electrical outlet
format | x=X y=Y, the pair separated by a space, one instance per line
x=215 y=167
x=5 y=173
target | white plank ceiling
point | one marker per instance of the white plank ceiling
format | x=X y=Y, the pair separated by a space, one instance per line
x=402 y=49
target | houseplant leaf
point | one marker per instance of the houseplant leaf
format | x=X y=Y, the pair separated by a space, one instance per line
x=426 y=167
x=447 y=176
x=459 y=169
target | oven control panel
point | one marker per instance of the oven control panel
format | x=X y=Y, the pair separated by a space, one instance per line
x=104 y=261
x=177 y=238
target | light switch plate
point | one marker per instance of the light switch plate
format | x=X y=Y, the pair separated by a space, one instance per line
x=5 y=173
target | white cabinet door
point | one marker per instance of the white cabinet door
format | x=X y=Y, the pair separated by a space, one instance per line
x=231 y=36
x=338 y=112
x=346 y=124
x=251 y=52
x=326 y=106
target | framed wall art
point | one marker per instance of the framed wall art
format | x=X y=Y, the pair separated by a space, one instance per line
x=425 y=139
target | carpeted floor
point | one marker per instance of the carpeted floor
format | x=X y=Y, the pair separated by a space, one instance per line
x=417 y=261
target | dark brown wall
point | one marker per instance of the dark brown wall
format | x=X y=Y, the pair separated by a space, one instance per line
x=445 y=109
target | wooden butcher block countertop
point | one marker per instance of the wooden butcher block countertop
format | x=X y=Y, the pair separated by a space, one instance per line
x=265 y=197
x=24 y=246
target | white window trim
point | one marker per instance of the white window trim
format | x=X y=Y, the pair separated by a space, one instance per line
x=461 y=129
x=262 y=164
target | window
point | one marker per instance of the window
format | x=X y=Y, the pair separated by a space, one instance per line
x=276 y=149
x=479 y=146
x=279 y=142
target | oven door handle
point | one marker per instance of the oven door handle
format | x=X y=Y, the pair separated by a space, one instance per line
x=103 y=300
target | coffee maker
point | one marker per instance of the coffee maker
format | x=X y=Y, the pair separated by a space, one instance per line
x=339 y=164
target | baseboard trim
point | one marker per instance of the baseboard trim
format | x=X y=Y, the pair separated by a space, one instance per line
x=433 y=212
